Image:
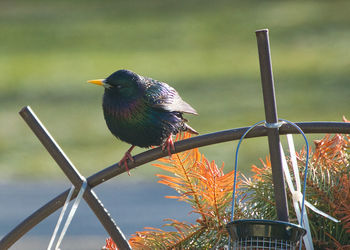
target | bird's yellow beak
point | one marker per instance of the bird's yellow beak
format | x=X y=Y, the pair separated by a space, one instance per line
x=97 y=81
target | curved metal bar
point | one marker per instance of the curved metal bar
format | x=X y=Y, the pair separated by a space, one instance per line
x=74 y=176
x=153 y=154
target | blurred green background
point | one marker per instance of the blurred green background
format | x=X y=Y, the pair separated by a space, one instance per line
x=205 y=49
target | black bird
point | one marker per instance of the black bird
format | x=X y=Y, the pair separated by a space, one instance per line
x=142 y=111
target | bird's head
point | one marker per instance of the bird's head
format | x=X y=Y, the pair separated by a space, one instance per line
x=123 y=83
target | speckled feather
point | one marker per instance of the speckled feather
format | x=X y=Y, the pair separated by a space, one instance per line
x=142 y=111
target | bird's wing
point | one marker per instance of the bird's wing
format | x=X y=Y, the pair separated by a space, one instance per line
x=161 y=95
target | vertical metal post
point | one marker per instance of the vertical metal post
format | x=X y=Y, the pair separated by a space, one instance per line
x=272 y=122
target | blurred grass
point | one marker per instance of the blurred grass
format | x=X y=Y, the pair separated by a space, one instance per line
x=205 y=49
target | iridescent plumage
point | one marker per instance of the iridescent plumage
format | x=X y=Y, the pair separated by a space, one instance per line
x=142 y=111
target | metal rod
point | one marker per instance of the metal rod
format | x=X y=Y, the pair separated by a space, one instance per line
x=215 y=138
x=51 y=146
x=74 y=176
x=153 y=154
x=272 y=119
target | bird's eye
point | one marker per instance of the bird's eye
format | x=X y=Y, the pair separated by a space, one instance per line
x=119 y=86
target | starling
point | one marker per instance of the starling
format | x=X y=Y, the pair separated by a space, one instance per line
x=142 y=111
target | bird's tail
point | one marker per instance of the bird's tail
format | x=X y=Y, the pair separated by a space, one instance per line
x=191 y=130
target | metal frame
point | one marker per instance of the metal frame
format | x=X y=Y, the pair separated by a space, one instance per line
x=95 y=204
x=74 y=176
x=268 y=89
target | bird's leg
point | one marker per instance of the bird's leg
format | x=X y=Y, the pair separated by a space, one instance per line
x=127 y=156
x=169 y=144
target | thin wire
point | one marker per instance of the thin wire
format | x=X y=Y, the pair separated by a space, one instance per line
x=235 y=175
x=53 y=237
x=71 y=213
x=236 y=164
x=305 y=175
x=306 y=168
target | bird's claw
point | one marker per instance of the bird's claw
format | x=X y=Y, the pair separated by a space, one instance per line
x=169 y=145
x=127 y=156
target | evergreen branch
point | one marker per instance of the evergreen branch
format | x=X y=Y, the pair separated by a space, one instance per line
x=188 y=237
x=202 y=184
